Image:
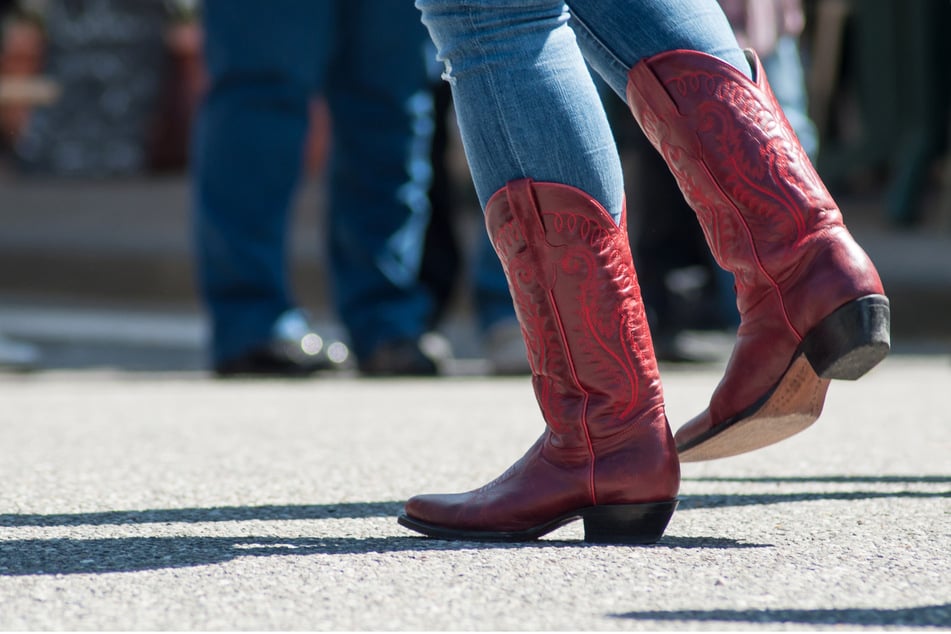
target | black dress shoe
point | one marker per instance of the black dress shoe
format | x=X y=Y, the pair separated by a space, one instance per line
x=398 y=358
x=294 y=350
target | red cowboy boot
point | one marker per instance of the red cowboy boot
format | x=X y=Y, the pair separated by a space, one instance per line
x=811 y=303
x=607 y=454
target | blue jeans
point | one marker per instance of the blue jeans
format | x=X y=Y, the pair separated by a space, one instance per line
x=524 y=98
x=265 y=63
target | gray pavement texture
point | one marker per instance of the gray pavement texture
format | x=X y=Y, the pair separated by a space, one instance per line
x=136 y=493
x=171 y=501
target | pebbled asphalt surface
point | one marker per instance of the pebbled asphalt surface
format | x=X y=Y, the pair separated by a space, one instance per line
x=167 y=500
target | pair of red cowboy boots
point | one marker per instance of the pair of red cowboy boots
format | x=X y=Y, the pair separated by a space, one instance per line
x=811 y=304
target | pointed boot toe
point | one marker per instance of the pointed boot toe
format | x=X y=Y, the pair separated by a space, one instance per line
x=607 y=455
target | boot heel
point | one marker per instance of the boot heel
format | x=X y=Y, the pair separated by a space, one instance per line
x=851 y=341
x=627 y=523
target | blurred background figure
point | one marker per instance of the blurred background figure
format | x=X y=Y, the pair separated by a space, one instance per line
x=264 y=65
x=15 y=354
x=683 y=287
x=452 y=265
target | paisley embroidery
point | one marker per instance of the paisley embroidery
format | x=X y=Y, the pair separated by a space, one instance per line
x=763 y=208
x=571 y=332
x=741 y=169
x=748 y=147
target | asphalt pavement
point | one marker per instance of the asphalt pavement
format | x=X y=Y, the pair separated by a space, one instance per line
x=144 y=499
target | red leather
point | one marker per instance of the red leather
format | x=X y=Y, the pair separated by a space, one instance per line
x=593 y=370
x=765 y=212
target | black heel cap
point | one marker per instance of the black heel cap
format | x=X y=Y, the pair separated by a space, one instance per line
x=852 y=340
x=627 y=523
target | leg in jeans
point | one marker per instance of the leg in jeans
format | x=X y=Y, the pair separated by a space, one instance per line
x=811 y=304
x=378 y=91
x=535 y=136
x=502 y=103
x=547 y=171
x=766 y=215
x=263 y=67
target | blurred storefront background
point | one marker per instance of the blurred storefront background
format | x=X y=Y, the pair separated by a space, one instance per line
x=98 y=88
x=97 y=98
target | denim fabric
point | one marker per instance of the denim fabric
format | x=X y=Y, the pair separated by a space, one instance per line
x=265 y=62
x=524 y=97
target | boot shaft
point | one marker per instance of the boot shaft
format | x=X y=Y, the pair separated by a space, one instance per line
x=765 y=212
x=576 y=295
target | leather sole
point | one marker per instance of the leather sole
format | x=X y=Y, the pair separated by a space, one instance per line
x=845 y=345
x=603 y=524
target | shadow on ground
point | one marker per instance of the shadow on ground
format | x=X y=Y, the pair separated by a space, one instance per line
x=124 y=554
x=359 y=510
x=920 y=616
x=65 y=556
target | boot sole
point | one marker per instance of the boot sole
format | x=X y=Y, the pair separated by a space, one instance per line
x=844 y=346
x=603 y=524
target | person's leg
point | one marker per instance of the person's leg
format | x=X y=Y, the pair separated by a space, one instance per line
x=616 y=34
x=18 y=355
x=668 y=238
x=503 y=103
x=547 y=172
x=606 y=455
x=525 y=108
x=811 y=303
x=247 y=150
x=378 y=91
x=497 y=325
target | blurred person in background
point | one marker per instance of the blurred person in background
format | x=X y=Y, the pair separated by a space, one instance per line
x=445 y=262
x=17 y=355
x=264 y=64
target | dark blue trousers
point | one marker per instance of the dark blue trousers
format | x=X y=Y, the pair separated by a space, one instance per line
x=265 y=63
